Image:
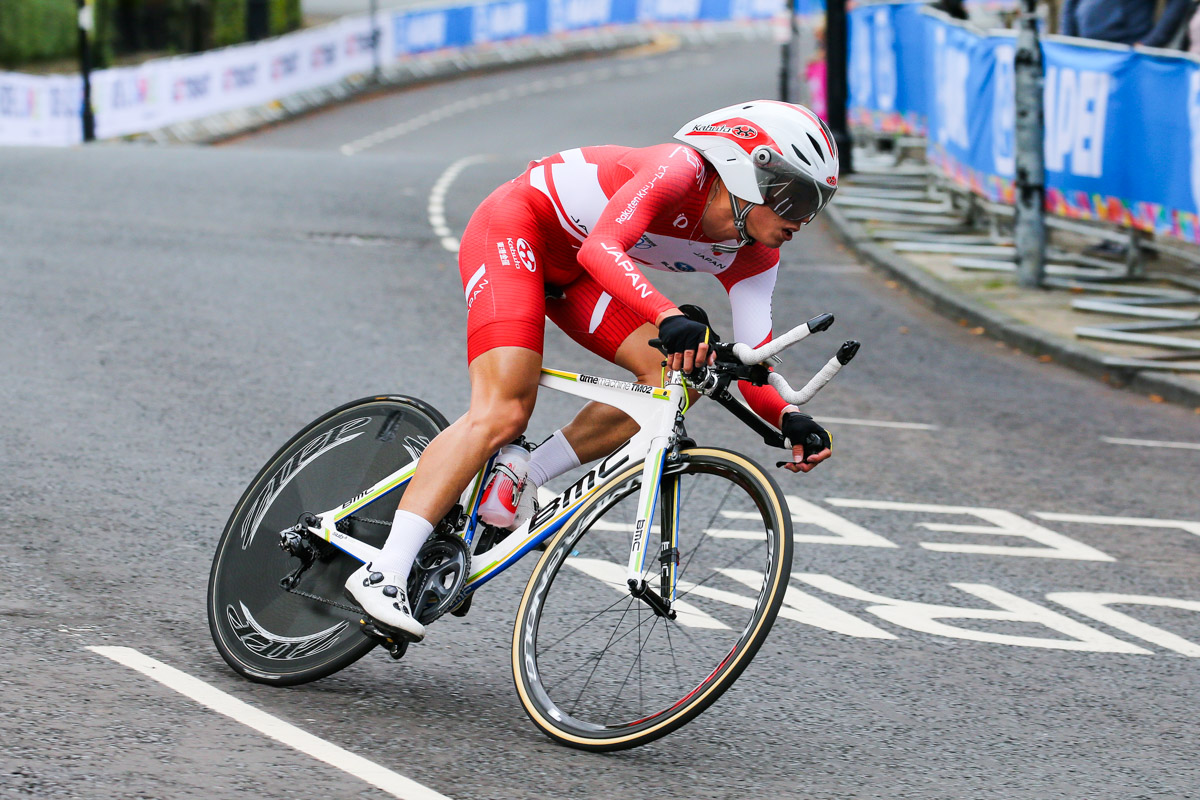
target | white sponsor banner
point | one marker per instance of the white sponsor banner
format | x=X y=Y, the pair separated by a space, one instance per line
x=128 y=100
x=169 y=91
x=357 y=55
x=40 y=110
x=757 y=9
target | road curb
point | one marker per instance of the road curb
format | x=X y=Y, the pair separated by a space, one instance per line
x=952 y=303
x=445 y=65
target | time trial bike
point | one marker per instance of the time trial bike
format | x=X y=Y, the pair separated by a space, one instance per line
x=664 y=565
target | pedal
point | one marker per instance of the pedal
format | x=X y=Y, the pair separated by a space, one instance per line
x=462 y=608
x=393 y=641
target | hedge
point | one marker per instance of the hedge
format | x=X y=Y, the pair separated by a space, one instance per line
x=35 y=30
x=228 y=22
x=285 y=16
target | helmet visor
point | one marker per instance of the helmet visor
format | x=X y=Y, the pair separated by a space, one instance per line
x=791 y=194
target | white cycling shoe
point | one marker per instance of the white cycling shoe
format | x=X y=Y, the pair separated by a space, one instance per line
x=383 y=596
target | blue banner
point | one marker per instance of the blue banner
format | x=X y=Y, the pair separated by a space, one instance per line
x=1122 y=125
x=887 y=69
x=424 y=29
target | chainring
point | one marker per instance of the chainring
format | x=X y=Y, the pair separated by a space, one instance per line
x=439 y=577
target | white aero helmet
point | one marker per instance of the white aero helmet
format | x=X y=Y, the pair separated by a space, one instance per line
x=778 y=154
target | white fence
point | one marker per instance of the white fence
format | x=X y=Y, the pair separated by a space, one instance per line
x=38 y=110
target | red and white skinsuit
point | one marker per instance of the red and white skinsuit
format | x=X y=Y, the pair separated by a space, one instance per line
x=587 y=221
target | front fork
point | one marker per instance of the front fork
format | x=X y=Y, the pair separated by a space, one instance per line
x=658 y=485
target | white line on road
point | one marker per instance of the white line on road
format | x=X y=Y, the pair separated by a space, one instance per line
x=878 y=423
x=437 y=200
x=1191 y=526
x=1149 y=443
x=393 y=783
x=509 y=93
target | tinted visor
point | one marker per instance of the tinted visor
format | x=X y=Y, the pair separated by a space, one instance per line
x=791 y=194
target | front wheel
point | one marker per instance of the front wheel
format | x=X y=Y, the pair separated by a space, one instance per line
x=272 y=635
x=598 y=669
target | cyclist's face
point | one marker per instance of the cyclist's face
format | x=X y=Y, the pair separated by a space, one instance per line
x=765 y=226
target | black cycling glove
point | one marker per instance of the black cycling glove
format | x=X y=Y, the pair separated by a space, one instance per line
x=801 y=429
x=679 y=334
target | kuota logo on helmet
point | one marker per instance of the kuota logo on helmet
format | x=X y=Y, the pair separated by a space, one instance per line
x=740 y=131
x=832 y=180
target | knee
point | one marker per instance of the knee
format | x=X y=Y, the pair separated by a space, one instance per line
x=498 y=423
x=649 y=377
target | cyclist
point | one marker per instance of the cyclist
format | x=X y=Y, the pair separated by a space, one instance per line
x=568 y=240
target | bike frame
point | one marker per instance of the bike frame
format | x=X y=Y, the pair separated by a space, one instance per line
x=658 y=413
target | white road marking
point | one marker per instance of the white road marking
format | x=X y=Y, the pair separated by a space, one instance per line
x=393 y=783
x=1149 y=443
x=1190 y=526
x=1001 y=523
x=878 y=423
x=501 y=95
x=437 y=200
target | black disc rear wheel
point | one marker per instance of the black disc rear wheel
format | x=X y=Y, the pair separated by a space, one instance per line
x=272 y=635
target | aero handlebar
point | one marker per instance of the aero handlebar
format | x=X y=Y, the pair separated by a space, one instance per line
x=755 y=355
x=751 y=356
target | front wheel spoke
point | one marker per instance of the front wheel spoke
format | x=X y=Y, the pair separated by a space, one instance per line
x=680 y=572
x=596 y=616
x=637 y=664
x=717 y=571
x=612 y=643
x=674 y=663
x=603 y=651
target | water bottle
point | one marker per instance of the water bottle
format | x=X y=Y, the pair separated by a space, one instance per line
x=503 y=490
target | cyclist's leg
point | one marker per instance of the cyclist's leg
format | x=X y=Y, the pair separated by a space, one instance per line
x=504 y=384
x=502 y=261
x=505 y=327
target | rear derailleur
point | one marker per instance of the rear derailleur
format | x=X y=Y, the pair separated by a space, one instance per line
x=299 y=542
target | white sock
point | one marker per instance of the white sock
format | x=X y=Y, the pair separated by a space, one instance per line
x=552 y=458
x=409 y=532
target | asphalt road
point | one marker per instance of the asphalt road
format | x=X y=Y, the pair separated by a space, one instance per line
x=170 y=316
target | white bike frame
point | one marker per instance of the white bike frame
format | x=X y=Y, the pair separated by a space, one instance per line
x=657 y=413
x=655 y=410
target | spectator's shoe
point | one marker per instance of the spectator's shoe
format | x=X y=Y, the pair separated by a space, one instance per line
x=383 y=596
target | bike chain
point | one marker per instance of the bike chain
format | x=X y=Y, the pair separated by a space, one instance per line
x=352 y=609
x=327 y=601
x=369 y=521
